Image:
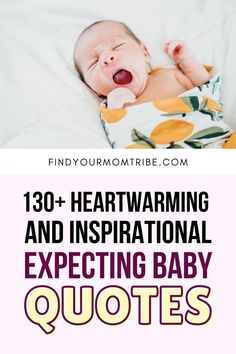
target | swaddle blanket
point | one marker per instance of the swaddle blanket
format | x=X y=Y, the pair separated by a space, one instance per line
x=192 y=120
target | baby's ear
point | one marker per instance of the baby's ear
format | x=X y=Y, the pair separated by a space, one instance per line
x=146 y=52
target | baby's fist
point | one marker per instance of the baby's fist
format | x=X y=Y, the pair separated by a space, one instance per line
x=118 y=97
x=178 y=50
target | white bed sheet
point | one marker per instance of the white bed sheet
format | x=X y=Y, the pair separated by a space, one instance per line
x=43 y=104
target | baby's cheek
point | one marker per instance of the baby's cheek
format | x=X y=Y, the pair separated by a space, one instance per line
x=95 y=84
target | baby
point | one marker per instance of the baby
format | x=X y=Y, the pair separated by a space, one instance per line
x=115 y=64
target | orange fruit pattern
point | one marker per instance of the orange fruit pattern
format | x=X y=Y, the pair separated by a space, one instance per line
x=113 y=115
x=138 y=146
x=171 y=131
x=172 y=105
x=231 y=142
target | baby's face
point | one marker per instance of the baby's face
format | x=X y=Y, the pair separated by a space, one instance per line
x=108 y=58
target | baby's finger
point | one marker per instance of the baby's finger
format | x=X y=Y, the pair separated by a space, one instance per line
x=177 y=49
x=166 y=45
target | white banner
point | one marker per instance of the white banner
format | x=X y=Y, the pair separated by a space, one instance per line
x=94 y=161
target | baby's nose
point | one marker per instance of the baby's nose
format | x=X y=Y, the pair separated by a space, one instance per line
x=108 y=58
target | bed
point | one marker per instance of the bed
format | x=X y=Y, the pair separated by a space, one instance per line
x=43 y=104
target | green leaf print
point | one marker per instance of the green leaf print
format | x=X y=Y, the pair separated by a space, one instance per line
x=214 y=135
x=200 y=88
x=215 y=116
x=175 y=146
x=192 y=102
x=173 y=114
x=211 y=132
x=194 y=144
x=203 y=105
x=142 y=139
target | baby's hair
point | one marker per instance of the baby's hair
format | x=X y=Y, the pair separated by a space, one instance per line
x=126 y=28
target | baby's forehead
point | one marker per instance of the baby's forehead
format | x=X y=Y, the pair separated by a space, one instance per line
x=103 y=32
x=107 y=27
x=99 y=35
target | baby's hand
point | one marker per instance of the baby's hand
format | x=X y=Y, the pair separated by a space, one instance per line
x=178 y=50
x=119 y=97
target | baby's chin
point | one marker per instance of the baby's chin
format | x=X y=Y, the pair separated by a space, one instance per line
x=138 y=87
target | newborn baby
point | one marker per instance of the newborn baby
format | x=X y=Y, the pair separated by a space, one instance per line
x=115 y=64
x=173 y=107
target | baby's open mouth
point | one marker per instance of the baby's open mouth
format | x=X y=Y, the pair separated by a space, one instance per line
x=122 y=77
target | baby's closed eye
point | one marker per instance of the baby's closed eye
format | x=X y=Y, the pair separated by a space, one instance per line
x=118 y=46
x=94 y=62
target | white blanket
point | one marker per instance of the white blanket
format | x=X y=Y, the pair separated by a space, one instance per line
x=42 y=102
